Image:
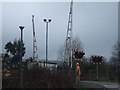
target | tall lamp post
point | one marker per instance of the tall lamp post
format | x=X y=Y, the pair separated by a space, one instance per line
x=47 y=21
x=21 y=28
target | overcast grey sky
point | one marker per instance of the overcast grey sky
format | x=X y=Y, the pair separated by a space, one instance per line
x=96 y=23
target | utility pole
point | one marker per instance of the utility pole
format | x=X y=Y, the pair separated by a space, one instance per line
x=68 y=47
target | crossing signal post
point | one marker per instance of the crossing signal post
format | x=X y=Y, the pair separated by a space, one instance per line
x=95 y=59
x=78 y=54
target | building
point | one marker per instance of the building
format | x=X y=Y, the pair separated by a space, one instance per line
x=49 y=63
x=31 y=64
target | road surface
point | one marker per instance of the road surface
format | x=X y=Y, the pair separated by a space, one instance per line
x=100 y=85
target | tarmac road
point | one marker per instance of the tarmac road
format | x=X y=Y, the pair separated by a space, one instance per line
x=99 y=85
x=110 y=86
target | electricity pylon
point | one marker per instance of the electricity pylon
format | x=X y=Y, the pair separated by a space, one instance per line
x=68 y=44
x=35 y=53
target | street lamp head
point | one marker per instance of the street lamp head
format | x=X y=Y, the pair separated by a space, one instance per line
x=44 y=20
x=21 y=27
x=49 y=20
x=32 y=18
x=32 y=15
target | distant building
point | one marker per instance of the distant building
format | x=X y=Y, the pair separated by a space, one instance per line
x=31 y=64
x=49 y=63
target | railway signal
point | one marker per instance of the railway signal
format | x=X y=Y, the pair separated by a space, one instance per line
x=96 y=60
x=78 y=54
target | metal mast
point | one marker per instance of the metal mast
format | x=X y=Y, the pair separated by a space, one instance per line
x=35 y=54
x=68 y=47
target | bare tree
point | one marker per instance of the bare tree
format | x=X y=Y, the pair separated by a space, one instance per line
x=115 y=60
x=115 y=53
x=76 y=44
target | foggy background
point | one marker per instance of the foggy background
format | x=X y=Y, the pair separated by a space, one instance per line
x=95 y=23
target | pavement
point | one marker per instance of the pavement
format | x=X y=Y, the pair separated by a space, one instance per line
x=100 y=85
x=110 y=86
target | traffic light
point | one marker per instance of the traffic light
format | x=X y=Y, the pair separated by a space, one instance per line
x=96 y=59
x=100 y=59
x=78 y=54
